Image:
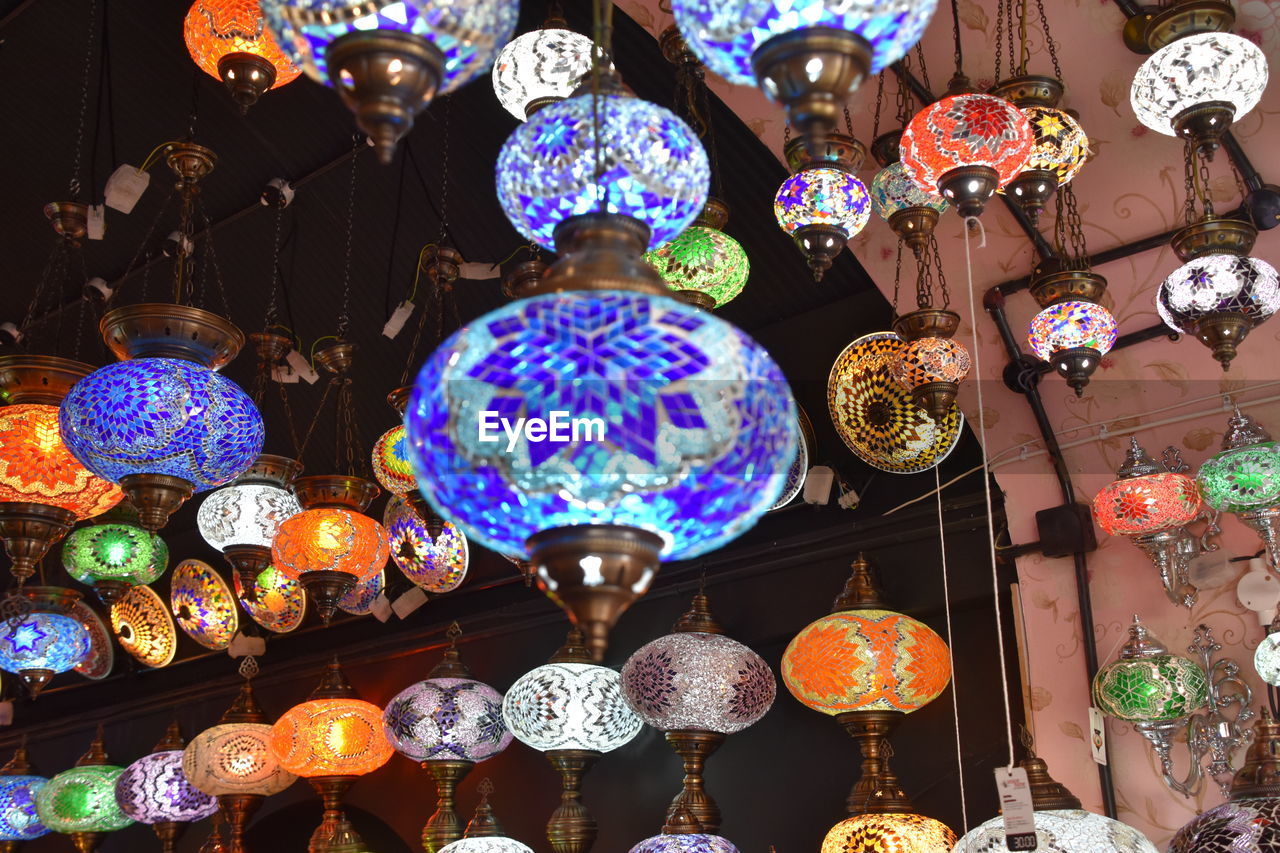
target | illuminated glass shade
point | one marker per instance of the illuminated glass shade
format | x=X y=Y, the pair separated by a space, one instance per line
x=892 y=190
x=1218 y=284
x=216 y=28
x=654 y=169
x=144 y=628
x=822 y=196
x=98 y=664
x=703 y=259
x=245 y=514
x=1266 y=659
x=698 y=681
x=1239 y=825
x=359 y=601
x=118 y=552
x=931 y=360
x=437 y=564
x=48 y=641
x=866 y=660
x=466 y=32
x=203 y=605
x=1194 y=70
x=691 y=843
x=1059 y=142
x=447 y=719
x=1153 y=502
x=36 y=467
x=18 y=818
x=724 y=35
x=1150 y=689
x=82 y=799
x=1071 y=325
x=279 y=603
x=154 y=789
x=1241 y=479
x=1062 y=831
x=391 y=462
x=331 y=737
x=570 y=706
x=889 y=833
x=161 y=416
x=966 y=130
x=495 y=844
x=699 y=426
x=330 y=540
x=546 y=63
x=235 y=758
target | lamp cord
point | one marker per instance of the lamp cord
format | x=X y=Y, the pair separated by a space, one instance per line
x=955 y=699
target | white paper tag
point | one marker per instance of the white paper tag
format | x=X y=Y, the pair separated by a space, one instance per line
x=97 y=221
x=397 y=320
x=409 y=602
x=301 y=367
x=125 y=186
x=1097 y=736
x=1016 y=809
x=284 y=374
x=242 y=646
x=478 y=271
x=381 y=608
x=6 y=713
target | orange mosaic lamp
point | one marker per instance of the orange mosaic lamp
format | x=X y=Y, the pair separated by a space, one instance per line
x=229 y=39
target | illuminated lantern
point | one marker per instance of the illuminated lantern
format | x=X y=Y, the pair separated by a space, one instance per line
x=18 y=788
x=203 y=605
x=391 y=466
x=893 y=832
x=484 y=834
x=1073 y=331
x=1219 y=298
x=242 y=519
x=114 y=555
x=81 y=802
x=437 y=561
x=704 y=265
x=144 y=627
x=229 y=40
x=154 y=790
x=911 y=212
x=823 y=205
x=45 y=640
x=277 y=603
x=540 y=68
x=1243 y=478
x=682 y=833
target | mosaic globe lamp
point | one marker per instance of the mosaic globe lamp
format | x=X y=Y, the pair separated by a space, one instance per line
x=18 y=788
x=45 y=639
x=573 y=710
x=484 y=834
x=391 y=466
x=911 y=212
x=1072 y=331
x=448 y=723
x=115 y=555
x=682 y=833
x=1151 y=507
x=241 y=520
x=808 y=57
x=965 y=147
x=704 y=266
x=1243 y=478
x=540 y=68
x=389 y=58
x=697 y=686
x=203 y=605
x=229 y=40
x=142 y=625
x=81 y=802
x=277 y=603
x=44 y=489
x=155 y=791
x=433 y=553
x=932 y=364
x=823 y=205
x=163 y=423
x=893 y=832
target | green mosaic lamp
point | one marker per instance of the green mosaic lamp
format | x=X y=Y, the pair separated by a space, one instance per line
x=114 y=555
x=81 y=802
x=703 y=265
x=1244 y=479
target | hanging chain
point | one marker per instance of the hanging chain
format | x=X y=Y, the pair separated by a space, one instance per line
x=311 y=427
x=444 y=172
x=272 y=317
x=1060 y=226
x=1024 y=49
x=875 y=127
x=1075 y=229
x=942 y=276
x=897 y=280
x=999 y=36
x=905 y=103
x=1007 y=8
x=1243 y=190
x=1048 y=40
x=84 y=105
x=955 y=34
x=211 y=257
x=344 y=316
x=1206 y=192
x=924 y=68
x=848 y=121
x=786 y=134
x=413 y=347
x=924 y=281
x=1189 y=183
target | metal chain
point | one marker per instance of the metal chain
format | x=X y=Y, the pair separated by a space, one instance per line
x=344 y=316
x=211 y=256
x=1243 y=190
x=1024 y=49
x=84 y=104
x=848 y=121
x=924 y=281
x=924 y=68
x=897 y=279
x=1075 y=229
x=1189 y=189
x=444 y=172
x=713 y=149
x=1206 y=191
x=1008 y=25
x=786 y=134
x=999 y=36
x=905 y=102
x=875 y=127
x=1048 y=40
x=955 y=33
x=413 y=347
x=81 y=310
x=942 y=276
x=271 y=318
x=311 y=428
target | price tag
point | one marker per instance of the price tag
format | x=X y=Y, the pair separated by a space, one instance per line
x=409 y=602
x=397 y=320
x=301 y=367
x=97 y=221
x=478 y=271
x=242 y=646
x=1015 y=807
x=1097 y=736
x=125 y=186
x=381 y=608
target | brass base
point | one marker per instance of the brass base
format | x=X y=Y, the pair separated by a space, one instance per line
x=695 y=747
x=936 y=398
x=914 y=226
x=237 y=810
x=811 y=72
x=248 y=561
x=385 y=77
x=876 y=791
x=886 y=147
x=1222 y=333
x=69 y=218
x=247 y=77
x=1188 y=17
x=271 y=470
x=36 y=680
x=696 y=298
x=715 y=214
x=601 y=251
x=270 y=347
x=444 y=826
x=325 y=589
x=820 y=245
x=834 y=149
x=1204 y=125
x=442 y=263
x=537 y=104
x=331 y=790
x=191 y=163
x=87 y=842
x=337 y=357
x=155 y=497
x=968 y=188
x=109 y=591
x=1057 y=286
x=1214 y=237
x=627 y=559
x=165 y=330
x=523 y=278
x=1135 y=29
x=398 y=399
x=1047 y=793
x=1030 y=90
x=43 y=379
x=1032 y=189
x=927 y=323
x=169 y=832
x=1076 y=366
x=337 y=491
x=29 y=530
x=572 y=829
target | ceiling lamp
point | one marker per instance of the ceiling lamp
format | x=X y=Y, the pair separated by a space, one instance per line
x=448 y=722
x=541 y=67
x=904 y=832
x=359 y=602
x=18 y=789
x=432 y=554
x=932 y=364
x=823 y=205
x=484 y=834
x=144 y=627
x=573 y=710
x=1151 y=507
x=242 y=519
x=682 y=833
x=114 y=555
x=704 y=266
x=697 y=686
x=808 y=58
x=229 y=40
x=390 y=455
x=44 y=639
x=203 y=605
x=1072 y=331
x=910 y=211
x=154 y=790
x=277 y=603
x=389 y=58
x=81 y=802
x=331 y=740
x=44 y=490
x=1243 y=478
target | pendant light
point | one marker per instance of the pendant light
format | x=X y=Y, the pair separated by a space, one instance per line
x=155 y=791
x=1243 y=478
x=81 y=802
x=541 y=67
x=434 y=556
x=823 y=205
x=115 y=554
x=144 y=628
x=43 y=637
x=203 y=605
x=19 y=821
x=484 y=834
x=391 y=465
x=682 y=833
x=882 y=817
x=229 y=40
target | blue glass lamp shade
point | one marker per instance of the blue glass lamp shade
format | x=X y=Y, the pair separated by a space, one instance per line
x=436 y=563
x=161 y=416
x=447 y=719
x=154 y=789
x=42 y=641
x=726 y=33
x=696 y=424
x=18 y=818
x=654 y=168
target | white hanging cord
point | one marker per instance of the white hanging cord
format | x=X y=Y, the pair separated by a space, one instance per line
x=970 y=223
x=955 y=699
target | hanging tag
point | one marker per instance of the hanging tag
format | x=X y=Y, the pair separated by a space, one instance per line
x=1097 y=736
x=244 y=646
x=397 y=320
x=409 y=602
x=97 y=221
x=284 y=374
x=478 y=271
x=1015 y=807
x=125 y=186
x=6 y=713
x=381 y=607
x=301 y=367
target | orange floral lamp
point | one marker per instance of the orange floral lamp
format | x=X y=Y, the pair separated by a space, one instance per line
x=229 y=40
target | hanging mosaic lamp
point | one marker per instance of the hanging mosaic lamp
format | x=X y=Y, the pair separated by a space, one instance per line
x=484 y=834
x=228 y=40
x=242 y=519
x=432 y=554
x=896 y=832
x=808 y=57
x=101 y=659
x=1243 y=478
x=81 y=802
x=933 y=364
x=389 y=58
x=277 y=603
x=541 y=67
x=573 y=710
x=203 y=605
x=966 y=146
x=682 y=833
x=155 y=791
x=448 y=723
x=331 y=740
x=1072 y=331
x=144 y=627
x=115 y=554
x=704 y=266
x=391 y=455
x=44 y=489
x=18 y=788
x=911 y=212
x=331 y=546
x=697 y=686
x=45 y=638
x=363 y=596
x=823 y=205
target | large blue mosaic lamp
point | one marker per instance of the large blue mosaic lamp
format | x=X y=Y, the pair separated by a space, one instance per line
x=18 y=819
x=44 y=638
x=389 y=58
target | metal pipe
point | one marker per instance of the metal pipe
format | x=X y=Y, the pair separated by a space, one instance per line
x=1129 y=8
